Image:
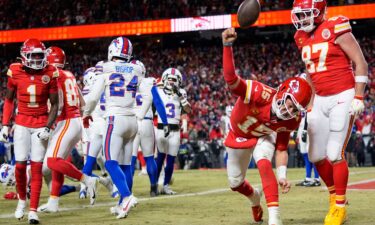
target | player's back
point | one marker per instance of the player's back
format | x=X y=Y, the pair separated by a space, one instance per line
x=329 y=68
x=32 y=93
x=69 y=96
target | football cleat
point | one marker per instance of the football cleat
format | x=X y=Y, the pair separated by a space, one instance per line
x=336 y=216
x=166 y=190
x=91 y=183
x=317 y=183
x=126 y=205
x=83 y=191
x=51 y=206
x=154 y=190
x=33 y=218
x=20 y=210
x=257 y=214
x=306 y=183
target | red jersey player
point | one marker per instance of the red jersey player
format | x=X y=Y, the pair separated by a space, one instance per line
x=328 y=49
x=33 y=82
x=260 y=123
x=66 y=135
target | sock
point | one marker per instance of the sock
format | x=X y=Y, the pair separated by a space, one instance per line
x=308 y=165
x=340 y=177
x=21 y=179
x=152 y=169
x=66 y=189
x=36 y=184
x=316 y=173
x=169 y=169
x=57 y=183
x=118 y=178
x=325 y=170
x=269 y=183
x=141 y=159
x=64 y=167
x=89 y=165
x=247 y=190
x=134 y=162
x=128 y=172
x=160 y=161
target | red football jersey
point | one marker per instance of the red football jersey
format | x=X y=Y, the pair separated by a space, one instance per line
x=68 y=96
x=251 y=118
x=329 y=67
x=32 y=93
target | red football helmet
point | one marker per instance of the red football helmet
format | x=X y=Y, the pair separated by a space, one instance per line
x=299 y=91
x=306 y=14
x=56 y=56
x=33 y=54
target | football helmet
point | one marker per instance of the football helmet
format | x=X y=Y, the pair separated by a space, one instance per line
x=33 y=54
x=120 y=47
x=89 y=76
x=306 y=14
x=299 y=91
x=56 y=57
x=228 y=110
x=139 y=69
x=171 y=77
x=6 y=174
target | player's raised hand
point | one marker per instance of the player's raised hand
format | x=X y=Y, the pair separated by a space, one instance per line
x=285 y=185
x=229 y=36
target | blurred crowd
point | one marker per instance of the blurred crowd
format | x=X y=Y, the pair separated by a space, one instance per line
x=16 y=14
x=201 y=64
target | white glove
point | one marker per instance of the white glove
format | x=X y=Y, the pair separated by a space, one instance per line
x=357 y=106
x=45 y=134
x=4 y=133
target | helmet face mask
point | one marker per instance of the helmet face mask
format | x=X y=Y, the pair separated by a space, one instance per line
x=307 y=14
x=120 y=48
x=33 y=54
x=171 y=77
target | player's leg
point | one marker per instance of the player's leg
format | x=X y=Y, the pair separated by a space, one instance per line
x=237 y=163
x=22 y=143
x=93 y=150
x=340 y=125
x=148 y=146
x=142 y=162
x=173 y=147
x=162 y=147
x=125 y=162
x=263 y=154
x=136 y=144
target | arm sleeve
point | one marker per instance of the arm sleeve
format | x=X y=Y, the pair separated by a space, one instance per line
x=236 y=85
x=159 y=105
x=93 y=97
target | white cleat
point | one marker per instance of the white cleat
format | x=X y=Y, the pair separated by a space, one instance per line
x=107 y=183
x=91 y=183
x=33 y=218
x=274 y=219
x=20 y=210
x=114 y=210
x=83 y=191
x=124 y=208
x=166 y=190
x=49 y=207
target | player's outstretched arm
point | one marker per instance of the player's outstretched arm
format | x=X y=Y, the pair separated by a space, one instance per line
x=281 y=160
x=236 y=85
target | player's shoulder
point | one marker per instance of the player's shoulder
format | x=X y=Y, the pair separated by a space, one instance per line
x=66 y=74
x=14 y=69
x=99 y=66
x=51 y=71
x=336 y=25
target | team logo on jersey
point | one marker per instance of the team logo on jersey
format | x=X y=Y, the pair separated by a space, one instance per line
x=294 y=85
x=45 y=79
x=326 y=34
x=241 y=139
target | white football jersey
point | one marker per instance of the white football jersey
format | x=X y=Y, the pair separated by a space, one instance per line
x=140 y=108
x=120 y=84
x=100 y=107
x=172 y=106
x=226 y=121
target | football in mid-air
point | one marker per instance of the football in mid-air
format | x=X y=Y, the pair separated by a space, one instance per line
x=248 y=13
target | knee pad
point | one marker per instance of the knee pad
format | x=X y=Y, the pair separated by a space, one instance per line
x=235 y=181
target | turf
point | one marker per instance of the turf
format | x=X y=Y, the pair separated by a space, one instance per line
x=204 y=198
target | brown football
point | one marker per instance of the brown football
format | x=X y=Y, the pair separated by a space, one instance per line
x=248 y=13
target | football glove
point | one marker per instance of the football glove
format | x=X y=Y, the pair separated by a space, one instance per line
x=45 y=134
x=357 y=106
x=4 y=134
x=166 y=130
x=176 y=90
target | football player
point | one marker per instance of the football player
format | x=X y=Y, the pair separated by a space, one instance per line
x=261 y=122
x=120 y=89
x=175 y=102
x=33 y=82
x=66 y=135
x=329 y=49
x=225 y=126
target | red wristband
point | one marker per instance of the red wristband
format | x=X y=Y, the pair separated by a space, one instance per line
x=359 y=97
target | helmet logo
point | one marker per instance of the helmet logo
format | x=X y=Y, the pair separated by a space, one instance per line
x=326 y=34
x=294 y=86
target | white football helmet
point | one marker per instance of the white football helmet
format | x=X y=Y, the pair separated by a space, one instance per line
x=120 y=47
x=7 y=174
x=228 y=110
x=139 y=68
x=170 y=77
x=89 y=76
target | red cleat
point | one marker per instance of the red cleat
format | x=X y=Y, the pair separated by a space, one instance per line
x=10 y=195
x=257 y=213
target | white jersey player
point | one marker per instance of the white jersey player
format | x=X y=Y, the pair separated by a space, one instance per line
x=175 y=100
x=120 y=90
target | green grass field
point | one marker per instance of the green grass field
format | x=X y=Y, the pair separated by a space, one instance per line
x=203 y=198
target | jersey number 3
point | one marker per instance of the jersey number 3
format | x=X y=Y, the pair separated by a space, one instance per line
x=308 y=50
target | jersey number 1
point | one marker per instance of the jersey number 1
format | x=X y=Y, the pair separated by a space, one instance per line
x=32 y=92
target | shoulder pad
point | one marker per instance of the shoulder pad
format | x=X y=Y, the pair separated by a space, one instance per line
x=339 y=25
x=13 y=68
